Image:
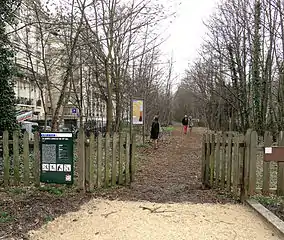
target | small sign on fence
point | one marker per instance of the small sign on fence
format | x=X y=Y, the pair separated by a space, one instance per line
x=56 y=158
x=275 y=154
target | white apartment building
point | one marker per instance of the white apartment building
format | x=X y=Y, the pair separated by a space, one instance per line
x=30 y=81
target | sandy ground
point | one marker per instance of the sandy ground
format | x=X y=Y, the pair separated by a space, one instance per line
x=106 y=220
x=166 y=202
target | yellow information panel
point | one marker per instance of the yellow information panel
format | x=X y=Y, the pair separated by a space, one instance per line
x=138 y=114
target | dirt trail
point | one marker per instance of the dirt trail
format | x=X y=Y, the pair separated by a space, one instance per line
x=165 y=202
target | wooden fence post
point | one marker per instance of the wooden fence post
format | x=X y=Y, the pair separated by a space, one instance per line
x=120 y=163
x=81 y=160
x=252 y=163
x=212 y=160
x=26 y=159
x=127 y=160
x=235 y=165
x=266 y=165
x=114 y=161
x=16 y=158
x=223 y=160
x=203 y=161
x=92 y=158
x=6 y=158
x=36 y=160
x=207 y=160
x=107 y=159
x=99 y=161
x=87 y=163
x=133 y=160
x=280 y=169
x=229 y=166
x=218 y=160
x=245 y=177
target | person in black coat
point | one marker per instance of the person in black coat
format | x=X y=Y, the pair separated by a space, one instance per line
x=155 y=130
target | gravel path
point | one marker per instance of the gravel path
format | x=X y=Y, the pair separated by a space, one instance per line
x=165 y=202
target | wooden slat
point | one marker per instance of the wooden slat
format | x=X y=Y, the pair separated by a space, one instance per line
x=114 y=161
x=81 y=160
x=92 y=163
x=26 y=159
x=235 y=165
x=223 y=162
x=245 y=177
x=203 y=156
x=133 y=159
x=87 y=164
x=36 y=160
x=207 y=160
x=229 y=162
x=280 y=169
x=121 y=159
x=6 y=158
x=127 y=160
x=16 y=158
x=218 y=160
x=266 y=165
x=99 y=161
x=212 y=159
x=107 y=160
x=252 y=163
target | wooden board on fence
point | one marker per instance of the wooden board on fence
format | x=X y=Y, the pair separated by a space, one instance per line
x=280 y=169
x=16 y=158
x=218 y=160
x=114 y=161
x=37 y=166
x=87 y=163
x=99 y=161
x=223 y=160
x=6 y=158
x=229 y=162
x=107 y=160
x=245 y=175
x=127 y=160
x=203 y=155
x=133 y=160
x=252 y=163
x=91 y=163
x=120 y=160
x=207 y=160
x=26 y=159
x=81 y=167
x=235 y=165
x=266 y=165
x=274 y=154
x=212 y=159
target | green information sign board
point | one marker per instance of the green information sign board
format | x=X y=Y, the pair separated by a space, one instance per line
x=56 y=150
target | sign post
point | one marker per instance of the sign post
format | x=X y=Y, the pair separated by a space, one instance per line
x=138 y=114
x=56 y=150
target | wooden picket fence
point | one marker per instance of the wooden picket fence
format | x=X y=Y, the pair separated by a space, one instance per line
x=231 y=161
x=99 y=162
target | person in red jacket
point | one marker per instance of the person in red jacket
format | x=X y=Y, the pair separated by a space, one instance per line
x=184 y=122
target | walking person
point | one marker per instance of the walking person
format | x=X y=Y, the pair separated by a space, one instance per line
x=190 y=124
x=184 y=122
x=155 y=130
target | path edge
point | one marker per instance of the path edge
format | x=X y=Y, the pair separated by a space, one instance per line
x=267 y=216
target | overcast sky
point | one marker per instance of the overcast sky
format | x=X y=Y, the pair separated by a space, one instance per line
x=186 y=32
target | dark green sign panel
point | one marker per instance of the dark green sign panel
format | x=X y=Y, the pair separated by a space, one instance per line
x=56 y=150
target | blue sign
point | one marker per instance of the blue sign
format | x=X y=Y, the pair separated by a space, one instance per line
x=74 y=110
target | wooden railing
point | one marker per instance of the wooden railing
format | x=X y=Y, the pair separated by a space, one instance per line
x=235 y=162
x=99 y=162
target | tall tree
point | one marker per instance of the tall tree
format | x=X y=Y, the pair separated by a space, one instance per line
x=7 y=95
